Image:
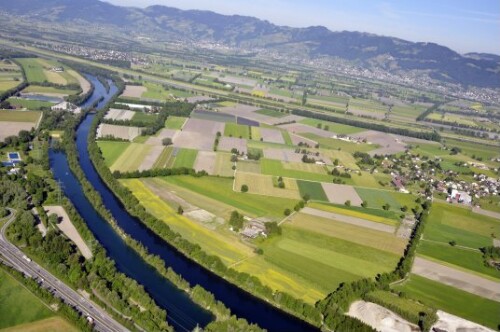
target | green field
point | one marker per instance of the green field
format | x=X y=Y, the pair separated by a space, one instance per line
x=20 y=116
x=38 y=70
x=49 y=89
x=448 y=223
x=377 y=198
x=130 y=159
x=256 y=135
x=221 y=190
x=380 y=216
x=313 y=189
x=223 y=244
x=236 y=130
x=274 y=114
x=111 y=150
x=277 y=168
x=10 y=75
x=185 y=158
x=165 y=160
x=286 y=137
x=29 y=104
x=223 y=164
x=249 y=166
x=387 y=299
x=175 y=122
x=144 y=117
x=17 y=304
x=324 y=260
x=333 y=127
x=452 y=300
x=357 y=234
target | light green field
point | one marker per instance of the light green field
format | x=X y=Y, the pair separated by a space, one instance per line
x=256 y=135
x=286 y=137
x=7 y=85
x=224 y=245
x=53 y=324
x=39 y=70
x=165 y=160
x=305 y=167
x=263 y=185
x=144 y=117
x=377 y=198
x=10 y=76
x=236 y=130
x=185 y=158
x=249 y=166
x=326 y=261
x=360 y=235
x=277 y=168
x=365 y=179
x=333 y=127
x=274 y=114
x=20 y=116
x=223 y=164
x=29 y=104
x=131 y=158
x=221 y=190
x=112 y=150
x=346 y=159
x=48 y=89
x=410 y=306
x=452 y=300
x=18 y=305
x=155 y=91
x=175 y=122
x=364 y=214
x=335 y=144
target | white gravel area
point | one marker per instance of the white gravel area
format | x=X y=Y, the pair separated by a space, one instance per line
x=118 y=114
x=451 y=323
x=380 y=318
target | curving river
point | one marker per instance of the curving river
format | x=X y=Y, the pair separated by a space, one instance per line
x=182 y=313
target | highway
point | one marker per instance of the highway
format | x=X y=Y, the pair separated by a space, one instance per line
x=17 y=259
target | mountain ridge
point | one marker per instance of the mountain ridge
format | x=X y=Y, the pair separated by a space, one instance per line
x=369 y=50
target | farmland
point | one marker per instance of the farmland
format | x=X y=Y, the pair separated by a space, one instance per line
x=185 y=158
x=111 y=150
x=131 y=158
x=236 y=130
x=29 y=104
x=19 y=306
x=40 y=70
x=277 y=168
x=10 y=75
x=452 y=300
x=175 y=122
x=12 y=122
x=226 y=247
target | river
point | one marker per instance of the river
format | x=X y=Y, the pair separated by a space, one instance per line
x=182 y=313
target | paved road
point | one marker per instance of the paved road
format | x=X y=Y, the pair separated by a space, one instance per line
x=14 y=257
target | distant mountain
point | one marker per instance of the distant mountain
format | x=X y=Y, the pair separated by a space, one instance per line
x=369 y=50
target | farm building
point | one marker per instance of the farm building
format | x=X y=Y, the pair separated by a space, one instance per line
x=66 y=106
x=460 y=197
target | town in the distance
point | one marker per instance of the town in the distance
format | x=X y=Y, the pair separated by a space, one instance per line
x=165 y=169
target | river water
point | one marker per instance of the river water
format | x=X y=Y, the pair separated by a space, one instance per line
x=182 y=313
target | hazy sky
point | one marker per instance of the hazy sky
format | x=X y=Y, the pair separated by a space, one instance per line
x=463 y=25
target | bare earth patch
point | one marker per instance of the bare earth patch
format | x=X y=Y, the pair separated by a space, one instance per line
x=198 y=99
x=134 y=91
x=380 y=318
x=451 y=323
x=283 y=155
x=164 y=133
x=271 y=136
x=339 y=194
x=456 y=278
x=118 y=114
x=299 y=128
x=151 y=157
x=349 y=220
x=229 y=143
x=205 y=161
x=123 y=132
x=12 y=128
x=69 y=229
